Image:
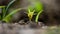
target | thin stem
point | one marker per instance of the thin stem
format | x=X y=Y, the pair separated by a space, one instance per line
x=38 y=16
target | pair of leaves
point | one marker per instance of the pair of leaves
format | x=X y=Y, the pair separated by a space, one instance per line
x=5 y=10
x=7 y=17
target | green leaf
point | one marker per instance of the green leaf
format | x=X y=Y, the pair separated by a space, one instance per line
x=7 y=18
x=9 y=4
x=36 y=4
x=2 y=6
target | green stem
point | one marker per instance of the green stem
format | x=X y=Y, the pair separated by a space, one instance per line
x=3 y=12
x=36 y=20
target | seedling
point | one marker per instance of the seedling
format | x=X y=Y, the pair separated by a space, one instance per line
x=7 y=17
x=35 y=9
x=30 y=14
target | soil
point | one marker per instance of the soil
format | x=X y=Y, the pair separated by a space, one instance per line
x=19 y=29
x=23 y=27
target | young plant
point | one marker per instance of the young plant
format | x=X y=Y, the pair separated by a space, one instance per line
x=7 y=16
x=30 y=14
x=36 y=8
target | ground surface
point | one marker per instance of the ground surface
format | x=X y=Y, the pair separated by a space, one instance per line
x=16 y=28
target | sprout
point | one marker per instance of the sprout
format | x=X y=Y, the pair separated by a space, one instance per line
x=7 y=17
x=30 y=14
x=35 y=9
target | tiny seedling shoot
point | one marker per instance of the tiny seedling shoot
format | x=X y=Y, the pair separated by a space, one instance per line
x=35 y=9
x=30 y=14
